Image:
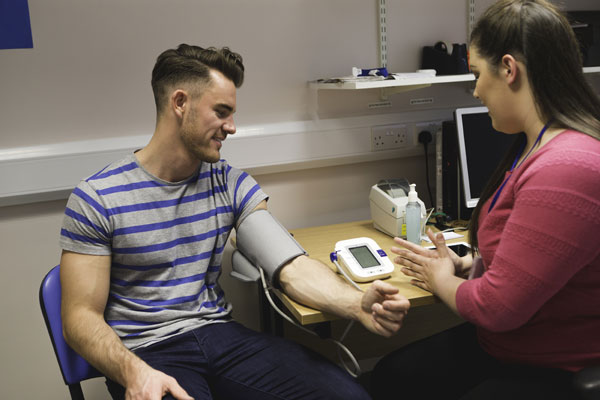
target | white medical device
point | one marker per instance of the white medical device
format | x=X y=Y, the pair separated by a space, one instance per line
x=388 y=199
x=362 y=259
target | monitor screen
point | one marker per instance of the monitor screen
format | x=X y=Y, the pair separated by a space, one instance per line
x=363 y=255
x=481 y=148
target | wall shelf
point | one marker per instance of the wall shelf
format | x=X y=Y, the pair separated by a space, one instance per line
x=391 y=86
x=408 y=83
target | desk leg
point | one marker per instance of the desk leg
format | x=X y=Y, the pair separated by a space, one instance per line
x=270 y=321
x=323 y=329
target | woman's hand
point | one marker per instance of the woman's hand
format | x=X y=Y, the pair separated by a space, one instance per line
x=429 y=268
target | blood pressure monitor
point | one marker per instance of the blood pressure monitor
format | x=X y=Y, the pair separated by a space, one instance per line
x=362 y=259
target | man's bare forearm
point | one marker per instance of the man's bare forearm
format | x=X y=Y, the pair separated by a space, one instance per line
x=317 y=286
x=89 y=335
x=381 y=308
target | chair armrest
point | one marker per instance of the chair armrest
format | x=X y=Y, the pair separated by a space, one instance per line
x=243 y=269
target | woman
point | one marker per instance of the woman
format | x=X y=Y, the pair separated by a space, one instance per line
x=532 y=303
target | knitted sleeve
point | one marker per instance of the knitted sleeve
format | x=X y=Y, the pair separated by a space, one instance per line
x=551 y=233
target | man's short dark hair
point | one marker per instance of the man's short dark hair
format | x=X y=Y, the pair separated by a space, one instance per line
x=191 y=65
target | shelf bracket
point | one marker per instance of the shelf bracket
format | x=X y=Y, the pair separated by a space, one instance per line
x=470 y=17
x=382 y=33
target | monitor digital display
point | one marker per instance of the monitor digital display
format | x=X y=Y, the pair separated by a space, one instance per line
x=363 y=255
x=481 y=148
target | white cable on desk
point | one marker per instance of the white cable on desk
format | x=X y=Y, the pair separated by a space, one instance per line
x=424 y=227
x=341 y=270
x=339 y=345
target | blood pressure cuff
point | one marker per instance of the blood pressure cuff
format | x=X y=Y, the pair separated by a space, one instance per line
x=266 y=243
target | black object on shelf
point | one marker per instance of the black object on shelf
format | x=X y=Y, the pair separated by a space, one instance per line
x=586 y=25
x=444 y=60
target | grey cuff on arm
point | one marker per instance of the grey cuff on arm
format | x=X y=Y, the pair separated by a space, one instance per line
x=266 y=243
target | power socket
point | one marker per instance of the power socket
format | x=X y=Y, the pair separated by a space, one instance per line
x=432 y=126
x=387 y=137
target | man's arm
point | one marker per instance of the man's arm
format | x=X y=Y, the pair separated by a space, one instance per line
x=380 y=309
x=85 y=281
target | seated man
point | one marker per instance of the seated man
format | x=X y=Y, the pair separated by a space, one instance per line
x=143 y=241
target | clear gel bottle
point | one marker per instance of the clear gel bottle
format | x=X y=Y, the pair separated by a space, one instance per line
x=413 y=217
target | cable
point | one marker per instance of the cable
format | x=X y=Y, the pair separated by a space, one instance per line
x=339 y=268
x=424 y=226
x=426 y=138
x=339 y=345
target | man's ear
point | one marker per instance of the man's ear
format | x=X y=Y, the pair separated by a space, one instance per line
x=179 y=102
x=509 y=68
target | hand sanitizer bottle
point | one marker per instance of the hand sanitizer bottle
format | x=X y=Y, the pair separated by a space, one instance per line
x=413 y=217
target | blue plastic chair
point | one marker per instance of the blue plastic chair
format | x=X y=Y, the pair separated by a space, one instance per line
x=73 y=367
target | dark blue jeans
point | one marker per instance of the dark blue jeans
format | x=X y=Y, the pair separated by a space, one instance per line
x=229 y=361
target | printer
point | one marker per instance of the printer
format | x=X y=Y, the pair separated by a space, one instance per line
x=388 y=199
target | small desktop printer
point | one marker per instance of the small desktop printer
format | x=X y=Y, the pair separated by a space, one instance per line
x=388 y=199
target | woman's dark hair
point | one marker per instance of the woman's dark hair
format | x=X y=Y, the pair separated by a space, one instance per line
x=191 y=65
x=538 y=35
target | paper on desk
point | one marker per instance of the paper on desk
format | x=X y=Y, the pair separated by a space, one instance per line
x=447 y=236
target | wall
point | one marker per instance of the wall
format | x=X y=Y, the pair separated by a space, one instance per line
x=87 y=78
x=93 y=59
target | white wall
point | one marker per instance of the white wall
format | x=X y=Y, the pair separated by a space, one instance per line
x=88 y=74
x=88 y=78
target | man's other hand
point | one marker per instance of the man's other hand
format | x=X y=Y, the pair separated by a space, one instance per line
x=383 y=309
x=150 y=384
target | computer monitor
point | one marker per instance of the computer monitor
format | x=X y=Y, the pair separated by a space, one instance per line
x=481 y=148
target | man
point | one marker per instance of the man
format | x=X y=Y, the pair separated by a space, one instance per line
x=142 y=246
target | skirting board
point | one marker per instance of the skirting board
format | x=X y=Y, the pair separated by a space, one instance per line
x=50 y=172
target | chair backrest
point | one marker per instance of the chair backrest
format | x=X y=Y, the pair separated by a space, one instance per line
x=587 y=382
x=73 y=367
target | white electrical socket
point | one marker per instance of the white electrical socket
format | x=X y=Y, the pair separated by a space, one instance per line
x=387 y=137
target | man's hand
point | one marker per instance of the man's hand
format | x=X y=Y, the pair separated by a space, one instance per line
x=150 y=384
x=383 y=309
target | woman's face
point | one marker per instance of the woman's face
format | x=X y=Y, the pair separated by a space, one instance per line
x=493 y=91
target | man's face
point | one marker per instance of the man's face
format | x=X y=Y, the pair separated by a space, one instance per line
x=210 y=119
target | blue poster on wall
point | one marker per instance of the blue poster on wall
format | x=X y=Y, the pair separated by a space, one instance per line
x=15 y=28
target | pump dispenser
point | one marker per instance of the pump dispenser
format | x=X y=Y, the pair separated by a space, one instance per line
x=413 y=216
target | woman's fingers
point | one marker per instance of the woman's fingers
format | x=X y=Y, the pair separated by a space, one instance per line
x=421 y=285
x=440 y=243
x=415 y=248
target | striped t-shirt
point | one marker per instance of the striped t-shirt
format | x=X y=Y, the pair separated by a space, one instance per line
x=165 y=240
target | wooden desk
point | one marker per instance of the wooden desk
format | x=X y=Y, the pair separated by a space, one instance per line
x=320 y=241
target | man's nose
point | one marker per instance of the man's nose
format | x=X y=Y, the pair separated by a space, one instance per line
x=229 y=126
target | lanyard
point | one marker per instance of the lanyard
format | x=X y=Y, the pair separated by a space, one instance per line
x=514 y=164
